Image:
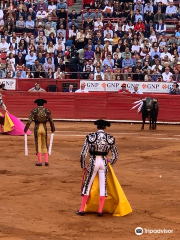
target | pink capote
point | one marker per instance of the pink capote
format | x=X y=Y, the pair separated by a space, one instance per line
x=18 y=128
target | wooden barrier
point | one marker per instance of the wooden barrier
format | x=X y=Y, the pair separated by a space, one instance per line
x=113 y=106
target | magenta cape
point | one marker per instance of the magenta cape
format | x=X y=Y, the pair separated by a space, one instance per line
x=18 y=128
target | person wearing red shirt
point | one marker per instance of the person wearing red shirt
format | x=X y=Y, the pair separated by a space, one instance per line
x=139 y=25
x=123 y=90
x=88 y=3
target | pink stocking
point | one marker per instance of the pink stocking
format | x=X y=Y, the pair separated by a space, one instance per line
x=84 y=200
x=101 y=203
x=39 y=157
x=46 y=157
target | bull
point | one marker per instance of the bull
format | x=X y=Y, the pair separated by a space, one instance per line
x=150 y=109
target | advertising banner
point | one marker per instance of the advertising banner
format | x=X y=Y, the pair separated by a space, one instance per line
x=10 y=84
x=115 y=86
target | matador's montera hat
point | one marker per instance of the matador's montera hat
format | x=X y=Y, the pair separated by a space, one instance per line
x=40 y=102
x=102 y=123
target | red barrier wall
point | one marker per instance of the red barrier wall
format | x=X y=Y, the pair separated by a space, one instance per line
x=26 y=84
x=91 y=105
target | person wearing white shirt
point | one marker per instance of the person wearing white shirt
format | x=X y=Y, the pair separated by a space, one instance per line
x=30 y=59
x=98 y=72
x=1 y=14
x=41 y=13
x=108 y=31
x=82 y=89
x=171 y=10
x=4 y=46
x=166 y=75
x=136 y=90
x=166 y=53
x=97 y=24
x=51 y=7
x=108 y=11
x=162 y=1
x=59 y=44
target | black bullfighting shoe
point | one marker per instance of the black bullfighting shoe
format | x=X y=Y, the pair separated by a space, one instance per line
x=46 y=164
x=80 y=213
x=100 y=214
x=38 y=164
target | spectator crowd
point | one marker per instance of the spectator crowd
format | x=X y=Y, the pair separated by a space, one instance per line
x=118 y=40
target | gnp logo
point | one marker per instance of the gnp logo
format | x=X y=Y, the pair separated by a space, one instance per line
x=138 y=231
x=144 y=86
x=164 y=86
x=104 y=86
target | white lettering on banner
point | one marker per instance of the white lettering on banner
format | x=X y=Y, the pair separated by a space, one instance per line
x=115 y=86
x=10 y=84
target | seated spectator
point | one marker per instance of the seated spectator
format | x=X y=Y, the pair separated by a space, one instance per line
x=138 y=16
x=159 y=16
x=36 y=88
x=175 y=90
x=138 y=76
x=41 y=36
x=57 y=74
x=48 y=65
x=98 y=73
x=29 y=74
x=41 y=58
x=108 y=10
x=40 y=72
x=86 y=73
x=69 y=89
x=136 y=90
x=109 y=75
x=10 y=14
x=4 y=46
x=49 y=30
x=74 y=15
x=166 y=53
x=117 y=61
x=171 y=11
x=160 y=28
x=123 y=89
x=51 y=7
x=89 y=54
x=176 y=75
x=61 y=65
x=82 y=89
x=2 y=73
x=108 y=62
x=35 y=66
x=31 y=13
x=127 y=62
x=30 y=24
x=155 y=53
x=42 y=13
x=50 y=73
x=91 y=77
x=20 y=13
x=41 y=4
x=117 y=11
x=139 y=25
x=20 y=59
x=97 y=14
x=61 y=5
x=50 y=47
x=166 y=74
x=40 y=22
x=10 y=71
x=18 y=75
x=155 y=75
x=30 y=59
x=22 y=72
x=51 y=23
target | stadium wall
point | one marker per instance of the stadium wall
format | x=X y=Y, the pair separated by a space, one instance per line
x=88 y=106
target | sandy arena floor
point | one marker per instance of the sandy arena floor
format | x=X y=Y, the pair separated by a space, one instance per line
x=40 y=202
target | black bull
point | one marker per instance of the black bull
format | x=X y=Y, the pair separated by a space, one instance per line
x=150 y=110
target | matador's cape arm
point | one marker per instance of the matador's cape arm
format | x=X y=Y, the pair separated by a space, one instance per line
x=30 y=119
